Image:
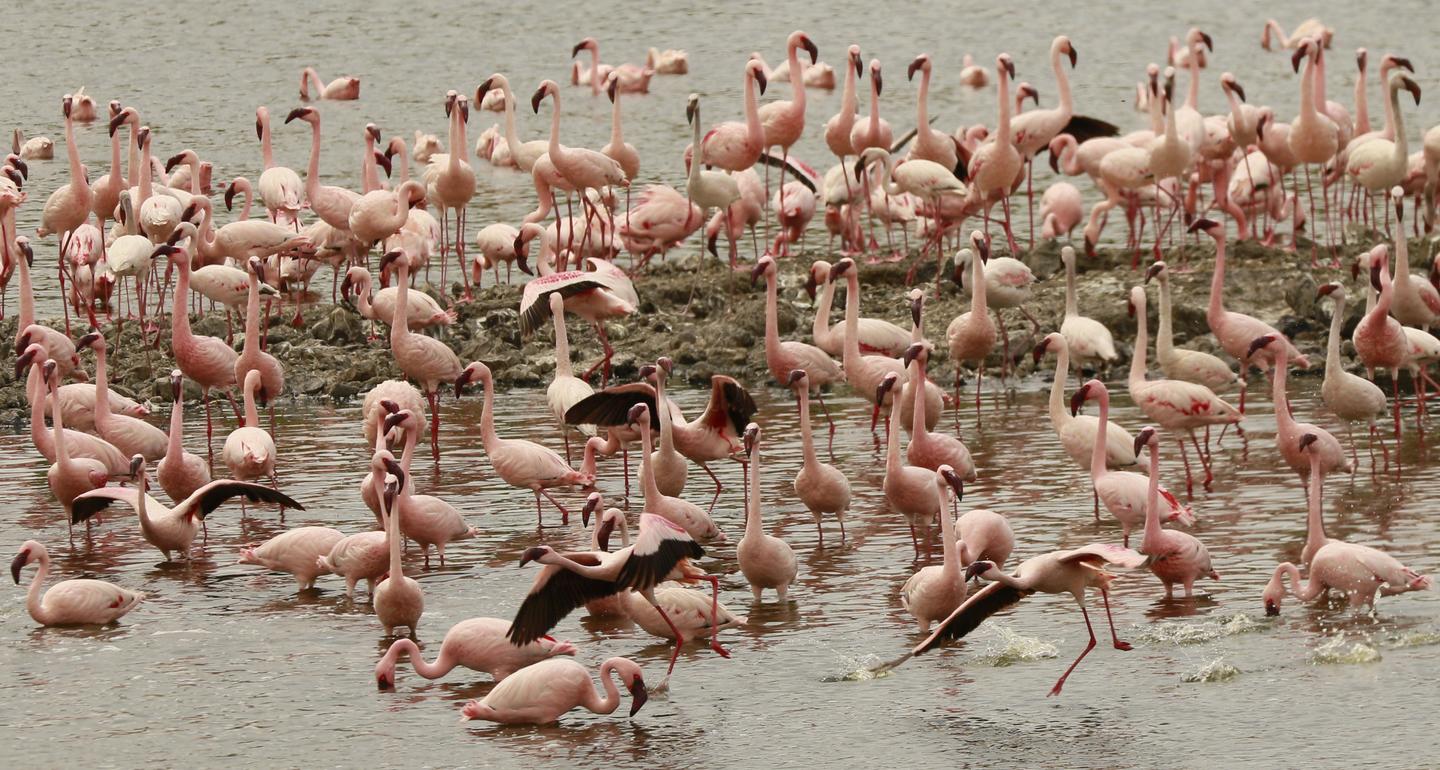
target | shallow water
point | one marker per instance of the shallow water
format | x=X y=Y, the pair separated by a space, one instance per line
x=225 y=662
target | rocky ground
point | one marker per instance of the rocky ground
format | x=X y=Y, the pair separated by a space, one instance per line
x=711 y=320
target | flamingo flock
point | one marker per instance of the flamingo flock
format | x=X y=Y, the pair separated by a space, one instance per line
x=944 y=190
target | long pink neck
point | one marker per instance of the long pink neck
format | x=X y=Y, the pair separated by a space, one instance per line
x=610 y=701
x=1315 y=520
x=922 y=104
x=115 y=170
x=146 y=172
x=78 y=182
x=754 y=131
x=1097 y=452
x=807 y=438
x=797 y=82
x=557 y=150
x=1002 y=132
x=252 y=315
x=1362 y=102
x=179 y=318
x=1062 y=84
x=772 y=314
x=62 y=455
x=102 y=388
x=595 y=70
x=488 y=437
x=174 y=448
x=443 y=664
x=852 y=319
x=1320 y=78
x=369 y=169
x=265 y=152
x=652 y=490
x=1307 y=91
x=617 y=131
x=848 y=101
x=1283 y=420
x=892 y=444
x=1142 y=341
x=874 y=109
x=662 y=406
x=1192 y=96
x=134 y=155
x=917 y=395
x=1387 y=292
x=34 y=603
x=978 y=307
x=252 y=414
x=1217 y=284
x=37 y=422
x=458 y=141
x=398 y=325
x=1151 y=542
x=312 y=171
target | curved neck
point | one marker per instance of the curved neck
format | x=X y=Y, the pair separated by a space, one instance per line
x=35 y=594
x=1283 y=420
x=442 y=665
x=1097 y=452
x=146 y=172
x=488 y=437
x=37 y=418
x=77 y=171
x=595 y=71
x=1142 y=341
x=1387 y=292
x=1164 y=337
x=265 y=152
x=1072 y=308
x=754 y=131
x=1314 y=519
x=807 y=439
x=1238 y=126
x=1151 y=543
x=142 y=485
x=821 y=326
x=797 y=80
x=249 y=198
x=772 y=314
x=662 y=406
x=611 y=700
x=252 y=415
x=1059 y=415
x=369 y=169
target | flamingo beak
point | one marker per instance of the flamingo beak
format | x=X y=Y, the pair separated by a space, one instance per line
x=1143 y=438
x=647 y=371
x=482 y=89
x=690 y=108
x=1209 y=42
x=1375 y=277
x=392 y=420
x=87 y=340
x=536 y=98
x=49 y=371
x=390 y=256
x=177 y=382
x=1326 y=290
x=382 y=159
x=956 y=483
x=575 y=51
x=18 y=563
x=383 y=682
x=1308 y=439
x=917 y=309
x=1202 y=224
x=810 y=48
x=174 y=161
x=298 y=112
x=591 y=503
x=638 y=694
x=878 y=80
x=856 y=63
x=602 y=536
x=522 y=262
x=796 y=375
x=883 y=388
x=345 y=286
x=1153 y=271
x=758 y=271
x=841 y=267
x=666 y=363
x=23 y=361
x=116 y=122
x=761 y=80
x=915 y=66
x=636 y=413
x=913 y=352
x=259 y=129
x=1259 y=342
x=1413 y=88
x=462 y=381
x=136 y=463
x=1355 y=270
x=394 y=469
x=1010 y=68
x=230 y=197
x=531 y=554
x=392 y=489
x=1296 y=57
x=1054 y=161
x=978 y=568
x=612 y=88
x=1239 y=90
x=1403 y=63
x=1078 y=399
x=1074 y=57
x=1040 y=349
x=811 y=285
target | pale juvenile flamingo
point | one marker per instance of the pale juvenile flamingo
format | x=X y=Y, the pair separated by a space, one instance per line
x=1174 y=557
x=1415 y=301
x=34 y=148
x=927 y=449
x=933 y=592
x=520 y=463
x=542 y=692
x=909 y=490
x=876 y=335
x=422 y=311
x=179 y=472
x=68 y=477
x=494 y=243
x=296 y=551
x=1288 y=430
x=1089 y=340
x=172 y=529
x=1235 y=331
x=1057 y=572
x=663 y=551
x=361 y=556
x=1382 y=163
x=973 y=75
x=249 y=450
x=971 y=336
x=705 y=188
x=1183 y=363
x=397 y=597
x=340 y=89
x=1077 y=432
x=1358 y=571
x=70 y=602
x=280 y=187
x=821 y=486
x=478 y=644
x=130 y=435
x=1350 y=397
x=331 y=204
x=631 y=78
x=766 y=561
x=1122 y=492
x=1175 y=405
x=733 y=146
x=565 y=390
x=450 y=185
x=424 y=359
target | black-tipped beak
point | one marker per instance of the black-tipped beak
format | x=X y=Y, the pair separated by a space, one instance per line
x=1209 y=42
x=482 y=89
x=383 y=682
x=49 y=370
x=142 y=136
x=917 y=309
x=536 y=98
x=915 y=65
x=374 y=131
x=1259 y=342
x=23 y=361
x=977 y=568
x=1010 y=68
x=1074 y=57
x=173 y=161
x=1239 y=90
x=911 y=353
x=841 y=268
x=664 y=362
x=877 y=79
x=116 y=122
x=1413 y=88
x=521 y=261
x=751 y=437
x=393 y=468
x=636 y=414
x=531 y=554
x=1202 y=224
x=638 y=695
x=136 y=463
x=1079 y=398
x=612 y=88
x=1403 y=63
x=602 y=535
x=187 y=214
x=810 y=48
x=1153 y=271
x=1296 y=57
x=796 y=375
x=1375 y=277
x=761 y=80
x=1271 y=608
x=578 y=47
x=1040 y=349
x=758 y=271
x=591 y=504
x=87 y=340
x=690 y=107
x=295 y=113
x=1307 y=440
x=392 y=420
x=382 y=159
x=811 y=285
x=1143 y=438
x=884 y=387
x=66 y=105
x=18 y=563
x=956 y=483
x=647 y=371
x=390 y=256
x=259 y=129
x=857 y=65
x=462 y=381
x=229 y=197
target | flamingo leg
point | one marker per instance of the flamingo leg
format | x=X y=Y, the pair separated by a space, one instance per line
x=718 y=486
x=1189 y=480
x=1090 y=645
x=1204 y=460
x=564 y=513
x=434 y=398
x=821 y=398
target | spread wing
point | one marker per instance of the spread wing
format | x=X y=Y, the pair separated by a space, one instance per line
x=611 y=406
x=968 y=616
x=212 y=495
x=535 y=305
x=556 y=593
x=1084 y=128
x=729 y=402
x=660 y=546
x=97 y=500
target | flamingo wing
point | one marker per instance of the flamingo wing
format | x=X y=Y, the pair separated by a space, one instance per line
x=1108 y=553
x=534 y=312
x=1084 y=128
x=209 y=497
x=611 y=406
x=97 y=500
x=729 y=403
x=660 y=546
x=969 y=615
x=557 y=592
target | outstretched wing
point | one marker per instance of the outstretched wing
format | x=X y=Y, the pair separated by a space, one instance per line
x=1108 y=553
x=660 y=546
x=729 y=403
x=557 y=592
x=97 y=500
x=535 y=302
x=968 y=616
x=1084 y=128
x=212 y=495
x=611 y=406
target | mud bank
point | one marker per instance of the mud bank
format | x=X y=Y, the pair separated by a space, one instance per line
x=711 y=320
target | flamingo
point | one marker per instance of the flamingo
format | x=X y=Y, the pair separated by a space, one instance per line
x=130 y=435
x=995 y=166
x=542 y=692
x=1174 y=557
x=1033 y=131
x=783 y=357
x=77 y=444
x=1088 y=339
x=364 y=555
x=69 y=206
x=426 y=519
x=1122 y=492
x=971 y=335
x=930 y=144
x=1008 y=284
x=692 y=518
x=1235 y=331
x=478 y=644
x=1380 y=340
x=766 y=561
x=1060 y=210
x=296 y=551
x=703 y=187
x=584 y=169
x=669 y=467
x=397 y=597
x=593 y=295
x=520 y=463
x=735 y=147
x=450 y=184
x=422 y=311
x=1314 y=137
x=1350 y=397
x=921 y=178
x=68 y=477
x=1358 y=571
x=839 y=126
x=1382 y=163
x=331 y=204
x=495 y=243
x=172 y=529
x=340 y=89
x=1308 y=28
x=565 y=389
x=783 y=122
x=1415 y=301
x=106 y=190
x=70 y=602
x=662 y=551
x=671 y=61
x=821 y=486
x=1181 y=363
x=280 y=187
x=872 y=130
x=1077 y=432
x=909 y=490
x=34 y=148
x=632 y=78
x=927 y=449
x=973 y=75
x=932 y=593
x=618 y=149
x=1288 y=431
x=522 y=155
x=1175 y=405
x=249 y=451
x=252 y=358
x=424 y=359
x=1058 y=572
x=876 y=335
x=862 y=373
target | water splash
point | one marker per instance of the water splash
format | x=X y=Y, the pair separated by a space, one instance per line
x=1216 y=670
x=1007 y=648
x=858 y=670
x=1337 y=651
x=1413 y=639
x=1189 y=633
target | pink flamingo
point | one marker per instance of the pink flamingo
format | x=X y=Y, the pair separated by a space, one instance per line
x=973 y=75
x=592 y=295
x=821 y=486
x=272 y=373
x=450 y=184
x=981 y=533
x=909 y=490
x=1380 y=340
x=864 y=374
x=630 y=77
x=872 y=131
x=971 y=336
x=1415 y=301
x=565 y=390
x=478 y=644
x=206 y=360
x=1060 y=210
x=933 y=592
x=520 y=463
x=783 y=357
x=542 y=692
x=661 y=219
x=280 y=187
x=662 y=551
x=70 y=602
x=839 y=126
x=732 y=146
x=424 y=359
x=69 y=206
x=68 y=477
x=296 y=551
x=876 y=335
x=339 y=89
x=1288 y=431
x=426 y=519
x=331 y=204
x=692 y=518
x=179 y=472
x=584 y=169
x=1122 y=492
x=172 y=529
x=1077 y=432
x=130 y=435
x=1181 y=363
x=930 y=144
x=1033 y=131
x=1089 y=340
x=1348 y=396
x=669 y=467
x=1358 y=571
x=522 y=155
x=106 y=190
x=783 y=122
x=77 y=444
x=362 y=556
x=995 y=166
x=1057 y=572
x=1314 y=137
x=794 y=206
x=1175 y=405
x=422 y=311
x=606 y=522
x=495 y=244
x=766 y=561
x=927 y=449
x=249 y=450
x=1175 y=557
x=1235 y=331
x=618 y=149
x=397 y=597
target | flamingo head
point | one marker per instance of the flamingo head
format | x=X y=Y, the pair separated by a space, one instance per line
x=535 y=553
x=592 y=504
x=751 y=438
x=184 y=156
x=1044 y=347
x=917 y=306
x=639 y=415
x=801 y=40
x=21 y=559
x=114 y=107
x=1332 y=287
x=1004 y=62
x=142 y=137
x=1068 y=48
x=915 y=351
x=545 y=88
x=474 y=370
x=1375 y=279
x=1260 y=342
x=981 y=242
x=1144 y=438
x=647 y=372
x=1228 y=82
x=1300 y=52
x=798 y=379
x=395 y=255
x=230 y=197
x=765 y=267
x=638 y=694
x=855 y=62
x=1410 y=85
x=126 y=115
x=977 y=569
x=31 y=354
x=843 y=267
x=666 y=364
x=308 y=114
x=1078 y=400
x=1154 y=270
x=393 y=486
x=1197 y=37
x=588 y=44
x=814 y=277
x=51 y=372
x=483 y=88
x=692 y=107
x=885 y=386
x=876 y=80
x=1027 y=91
x=67 y=103
x=92 y=338
x=177 y=385
x=920 y=63
x=256 y=266
x=1208 y=226
x=1398 y=61
x=1273 y=596
x=1308 y=439
x=137 y=466
x=261 y=113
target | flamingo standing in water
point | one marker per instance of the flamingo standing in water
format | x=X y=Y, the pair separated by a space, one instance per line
x=821 y=486
x=784 y=357
x=131 y=435
x=1288 y=431
x=1350 y=397
x=280 y=187
x=68 y=477
x=971 y=336
x=1088 y=339
x=565 y=390
x=931 y=145
x=272 y=372
x=426 y=519
x=1174 y=557
x=296 y=551
x=932 y=593
x=1358 y=571
x=249 y=450
x=909 y=490
x=542 y=692
x=732 y=146
x=1077 y=432
x=995 y=166
x=69 y=206
x=397 y=597
x=1182 y=363
x=839 y=126
x=927 y=449
x=1057 y=572
x=424 y=359
x=450 y=183
x=78 y=444
x=1380 y=340
x=520 y=463
x=877 y=336
x=70 y=602
x=584 y=169
x=766 y=561
x=478 y=644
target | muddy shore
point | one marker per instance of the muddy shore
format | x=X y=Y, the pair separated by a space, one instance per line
x=711 y=320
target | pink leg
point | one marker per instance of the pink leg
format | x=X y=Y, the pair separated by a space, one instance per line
x=718 y=486
x=434 y=398
x=564 y=514
x=1059 y=683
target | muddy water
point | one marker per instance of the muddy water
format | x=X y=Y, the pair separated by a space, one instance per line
x=226 y=662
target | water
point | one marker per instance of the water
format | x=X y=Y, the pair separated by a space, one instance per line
x=225 y=663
